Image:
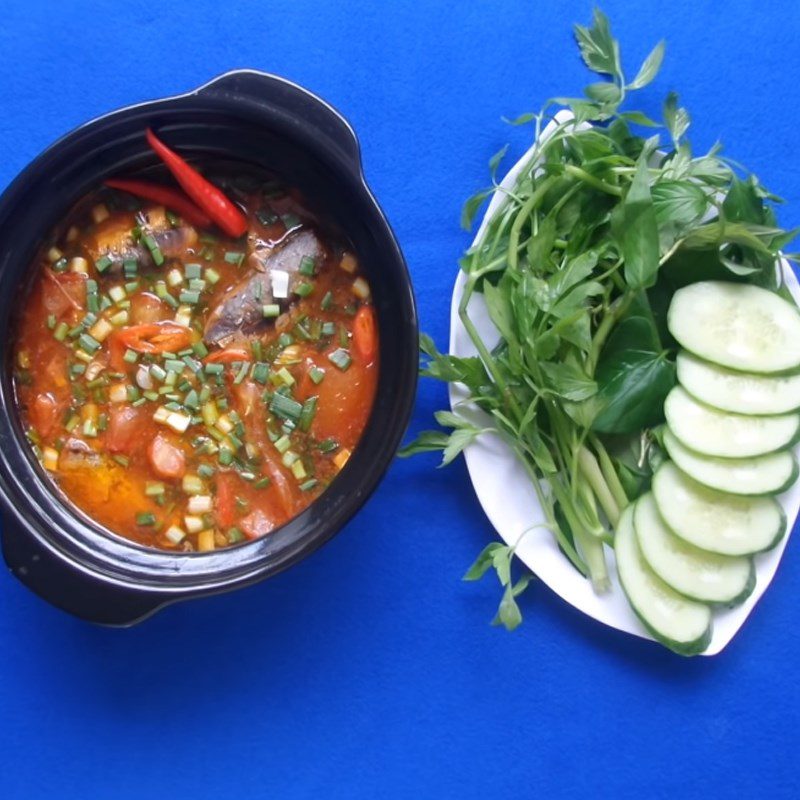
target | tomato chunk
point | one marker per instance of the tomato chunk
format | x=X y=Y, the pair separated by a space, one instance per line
x=166 y=458
x=365 y=334
x=124 y=426
x=256 y=524
x=44 y=413
x=225 y=503
x=64 y=293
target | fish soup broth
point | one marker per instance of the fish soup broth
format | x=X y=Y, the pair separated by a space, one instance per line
x=190 y=391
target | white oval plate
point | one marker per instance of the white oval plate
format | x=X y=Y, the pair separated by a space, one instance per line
x=510 y=502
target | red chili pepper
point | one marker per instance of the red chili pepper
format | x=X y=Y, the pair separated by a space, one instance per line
x=166 y=196
x=203 y=192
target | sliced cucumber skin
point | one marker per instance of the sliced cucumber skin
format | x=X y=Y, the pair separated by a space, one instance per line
x=648 y=525
x=737 y=392
x=742 y=439
x=688 y=462
x=668 y=478
x=696 y=310
x=627 y=547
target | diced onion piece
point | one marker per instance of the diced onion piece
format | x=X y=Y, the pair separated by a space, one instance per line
x=100 y=213
x=209 y=413
x=341 y=458
x=161 y=414
x=174 y=277
x=118 y=393
x=183 y=316
x=361 y=289
x=54 y=254
x=143 y=377
x=193 y=524
x=24 y=359
x=72 y=234
x=192 y=484
x=83 y=356
x=199 y=504
x=117 y=293
x=289 y=355
x=175 y=534
x=251 y=450
x=205 y=540
x=348 y=262
x=280 y=284
x=50 y=458
x=178 y=422
x=93 y=370
x=298 y=470
x=120 y=318
x=224 y=423
x=101 y=329
x=80 y=265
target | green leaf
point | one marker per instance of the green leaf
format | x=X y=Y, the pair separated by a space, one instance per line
x=638 y=118
x=494 y=161
x=470 y=208
x=649 y=68
x=522 y=119
x=633 y=377
x=447 y=419
x=675 y=118
x=426 y=442
x=458 y=440
x=636 y=229
x=501 y=561
x=568 y=380
x=499 y=307
x=540 y=246
x=482 y=563
x=604 y=92
x=508 y=613
x=678 y=202
x=599 y=50
x=453 y=369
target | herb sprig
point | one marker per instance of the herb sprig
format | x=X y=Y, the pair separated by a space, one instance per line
x=576 y=268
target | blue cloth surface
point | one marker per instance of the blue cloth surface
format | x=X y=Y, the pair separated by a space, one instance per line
x=370 y=670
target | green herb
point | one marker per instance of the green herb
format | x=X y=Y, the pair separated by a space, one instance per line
x=576 y=268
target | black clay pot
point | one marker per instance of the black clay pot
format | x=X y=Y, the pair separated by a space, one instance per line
x=251 y=117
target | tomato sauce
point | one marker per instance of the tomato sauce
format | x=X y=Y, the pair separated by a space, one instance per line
x=186 y=390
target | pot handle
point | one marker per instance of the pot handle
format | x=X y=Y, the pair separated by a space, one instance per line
x=301 y=107
x=64 y=585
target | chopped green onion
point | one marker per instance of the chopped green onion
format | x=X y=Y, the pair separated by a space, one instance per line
x=192 y=400
x=307 y=266
x=212 y=276
x=260 y=372
x=262 y=483
x=60 y=333
x=316 y=374
x=284 y=407
x=233 y=257
x=72 y=423
x=88 y=343
x=214 y=369
x=235 y=535
x=145 y=519
x=189 y=296
x=102 y=264
x=328 y=446
x=307 y=414
x=155 y=252
x=308 y=485
x=285 y=339
x=197 y=284
x=60 y=265
x=243 y=370
x=131 y=356
x=271 y=311
x=123 y=461
x=153 y=488
x=291 y=221
x=193 y=271
x=131 y=286
x=328 y=328
x=132 y=392
x=173 y=365
x=225 y=456
x=282 y=444
x=130 y=266
x=327 y=301
x=199 y=349
x=340 y=358
x=304 y=289
x=158 y=372
x=205 y=471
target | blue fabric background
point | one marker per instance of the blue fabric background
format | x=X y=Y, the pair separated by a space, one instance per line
x=370 y=670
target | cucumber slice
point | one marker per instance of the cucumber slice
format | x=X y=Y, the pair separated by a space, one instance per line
x=680 y=624
x=694 y=573
x=736 y=325
x=739 y=392
x=770 y=474
x=720 y=433
x=719 y=522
